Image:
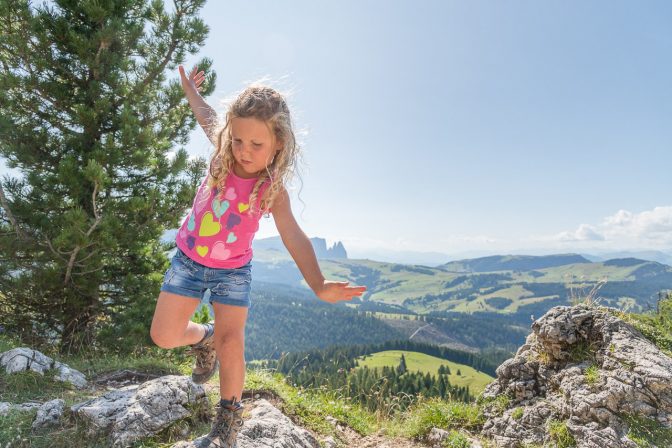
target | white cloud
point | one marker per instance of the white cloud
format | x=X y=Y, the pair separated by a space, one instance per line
x=585 y=232
x=650 y=228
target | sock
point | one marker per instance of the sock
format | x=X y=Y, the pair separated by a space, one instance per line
x=209 y=330
x=230 y=404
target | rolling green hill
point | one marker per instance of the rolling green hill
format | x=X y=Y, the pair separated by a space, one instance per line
x=421 y=362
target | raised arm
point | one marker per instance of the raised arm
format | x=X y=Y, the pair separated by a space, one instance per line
x=301 y=250
x=205 y=115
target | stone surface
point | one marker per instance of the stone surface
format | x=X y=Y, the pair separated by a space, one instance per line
x=6 y=407
x=134 y=412
x=69 y=375
x=547 y=380
x=23 y=359
x=266 y=427
x=436 y=437
x=329 y=442
x=49 y=414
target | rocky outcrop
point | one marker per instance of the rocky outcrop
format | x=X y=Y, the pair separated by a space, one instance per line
x=267 y=427
x=584 y=371
x=134 y=412
x=23 y=359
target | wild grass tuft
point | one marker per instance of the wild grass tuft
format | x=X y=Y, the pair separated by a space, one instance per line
x=559 y=433
x=496 y=405
x=655 y=326
x=592 y=374
x=418 y=420
x=581 y=293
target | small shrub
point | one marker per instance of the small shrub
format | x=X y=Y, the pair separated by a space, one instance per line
x=517 y=414
x=592 y=375
x=456 y=440
x=559 y=433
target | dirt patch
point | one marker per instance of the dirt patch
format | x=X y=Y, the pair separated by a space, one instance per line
x=351 y=438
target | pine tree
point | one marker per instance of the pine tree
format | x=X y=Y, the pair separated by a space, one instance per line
x=401 y=369
x=90 y=121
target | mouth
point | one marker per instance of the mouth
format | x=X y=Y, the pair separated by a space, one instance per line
x=245 y=162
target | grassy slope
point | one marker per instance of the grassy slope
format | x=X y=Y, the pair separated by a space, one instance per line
x=425 y=363
x=308 y=407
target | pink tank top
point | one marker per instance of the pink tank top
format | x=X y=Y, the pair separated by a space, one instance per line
x=218 y=232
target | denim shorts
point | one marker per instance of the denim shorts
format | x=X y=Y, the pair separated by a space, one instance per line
x=189 y=278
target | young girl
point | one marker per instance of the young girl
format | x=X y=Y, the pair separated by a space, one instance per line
x=255 y=154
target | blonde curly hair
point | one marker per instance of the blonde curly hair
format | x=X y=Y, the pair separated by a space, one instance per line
x=266 y=104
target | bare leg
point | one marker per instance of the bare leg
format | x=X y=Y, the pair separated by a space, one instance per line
x=230 y=347
x=171 y=326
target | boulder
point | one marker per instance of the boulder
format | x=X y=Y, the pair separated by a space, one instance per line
x=267 y=427
x=23 y=359
x=583 y=368
x=49 y=414
x=134 y=412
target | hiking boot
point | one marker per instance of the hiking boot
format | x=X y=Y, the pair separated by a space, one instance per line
x=206 y=358
x=225 y=428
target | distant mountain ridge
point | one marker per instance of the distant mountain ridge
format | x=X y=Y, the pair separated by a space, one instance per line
x=513 y=263
x=336 y=251
x=517 y=285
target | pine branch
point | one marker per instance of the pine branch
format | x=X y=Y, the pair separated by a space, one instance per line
x=162 y=65
x=5 y=205
x=73 y=255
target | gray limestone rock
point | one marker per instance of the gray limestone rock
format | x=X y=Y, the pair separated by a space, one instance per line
x=267 y=427
x=134 y=412
x=23 y=359
x=586 y=368
x=49 y=414
x=6 y=407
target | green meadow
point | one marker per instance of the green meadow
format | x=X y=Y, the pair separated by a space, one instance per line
x=425 y=363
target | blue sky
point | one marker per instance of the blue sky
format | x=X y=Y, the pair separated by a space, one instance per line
x=465 y=126
x=473 y=125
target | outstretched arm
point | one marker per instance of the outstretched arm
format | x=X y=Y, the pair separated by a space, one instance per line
x=205 y=115
x=301 y=250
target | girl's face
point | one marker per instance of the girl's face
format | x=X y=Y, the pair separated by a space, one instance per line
x=253 y=145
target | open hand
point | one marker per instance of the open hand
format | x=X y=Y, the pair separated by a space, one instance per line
x=333 y=292
x=193 y=81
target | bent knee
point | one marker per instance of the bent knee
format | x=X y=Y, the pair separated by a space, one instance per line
x=162 y=339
